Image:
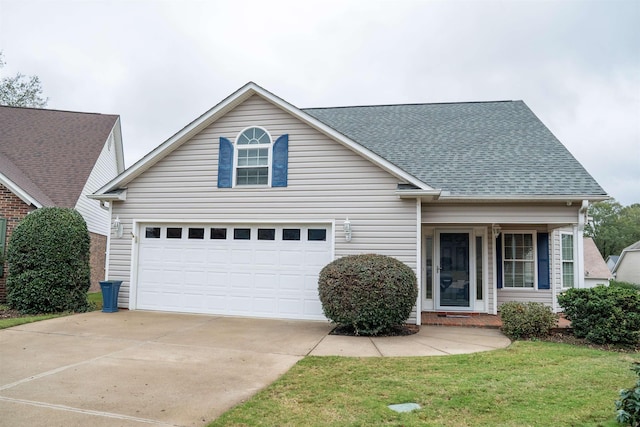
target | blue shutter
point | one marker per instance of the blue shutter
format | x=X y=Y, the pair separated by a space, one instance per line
x=280 y=162
x=3 y=238
x=499 y=261
x=225 y=163
x=543 y=261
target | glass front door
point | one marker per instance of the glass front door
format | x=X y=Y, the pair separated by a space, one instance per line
x=453 y=270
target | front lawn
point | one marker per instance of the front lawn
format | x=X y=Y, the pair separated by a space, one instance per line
x=527 y=384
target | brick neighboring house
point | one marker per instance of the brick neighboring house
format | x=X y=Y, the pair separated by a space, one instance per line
x=56 y=158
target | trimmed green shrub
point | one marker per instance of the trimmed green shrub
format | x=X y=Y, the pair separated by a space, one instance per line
x=370 y=293
x=48 y=256
x=527 y=320
x=629 y=404
x=604 y=315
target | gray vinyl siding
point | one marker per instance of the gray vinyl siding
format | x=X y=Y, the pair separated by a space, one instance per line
x=326 y=183
x=506 y=213
x=104 y=170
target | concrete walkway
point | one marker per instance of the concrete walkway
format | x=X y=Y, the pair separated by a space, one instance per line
x=136 y=368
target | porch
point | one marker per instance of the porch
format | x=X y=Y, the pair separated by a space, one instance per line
x=473 y=320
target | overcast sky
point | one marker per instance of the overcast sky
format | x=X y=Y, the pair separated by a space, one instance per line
x=160 y=64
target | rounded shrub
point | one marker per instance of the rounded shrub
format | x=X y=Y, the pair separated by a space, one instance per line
x=48 y=257
x=370 y=293
x=604 y=315
x=527 y=320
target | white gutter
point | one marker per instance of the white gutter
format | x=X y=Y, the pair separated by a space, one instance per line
x=15 y=189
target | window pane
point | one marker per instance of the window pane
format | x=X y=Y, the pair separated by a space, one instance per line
x=567 y=247
x=196 y=233
x=266 y=234
x=252 y=176
x=291 y=234
x=316 y=234
x=567 y=275
x=429 y=258
x=242 y=233
x=152 y=232
x=253 y=157
x=219 y=233
x=174 y=232
x=253 y=136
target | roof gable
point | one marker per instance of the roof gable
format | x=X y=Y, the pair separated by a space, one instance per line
x=228 y=104
x=49 y=154
x=594 y=265
x=467 y=149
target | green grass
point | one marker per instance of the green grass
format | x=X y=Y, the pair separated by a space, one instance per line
x=94 y=297
x=527 y=384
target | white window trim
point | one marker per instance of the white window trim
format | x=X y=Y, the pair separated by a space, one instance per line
x=236 y=157
x=573 y=260
x=534 y=235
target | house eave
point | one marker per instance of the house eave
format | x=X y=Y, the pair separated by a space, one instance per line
x=118 y=195
x=19 y=192
x=569 y=199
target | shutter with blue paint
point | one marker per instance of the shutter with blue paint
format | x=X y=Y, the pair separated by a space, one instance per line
x=225 y=163
x=499 y=262
x=543 y=261
x=3 y=238
x=280 y=162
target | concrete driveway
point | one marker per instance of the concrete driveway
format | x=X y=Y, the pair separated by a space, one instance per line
x=135 y=368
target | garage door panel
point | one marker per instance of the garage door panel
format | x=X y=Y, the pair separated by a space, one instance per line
x=265 y=278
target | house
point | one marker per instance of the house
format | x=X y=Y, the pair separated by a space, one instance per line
x=237 y=212
x=611 y=261
x=596 y=271
x=57 y=158
x=627 y=269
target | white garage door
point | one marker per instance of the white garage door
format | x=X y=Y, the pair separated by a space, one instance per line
x=249 y=270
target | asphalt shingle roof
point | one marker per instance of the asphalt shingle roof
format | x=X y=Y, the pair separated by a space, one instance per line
x=51 y=153
x=467 y=149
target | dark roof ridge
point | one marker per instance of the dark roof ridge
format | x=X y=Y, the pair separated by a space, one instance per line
x=57 y=110
x=412 y=104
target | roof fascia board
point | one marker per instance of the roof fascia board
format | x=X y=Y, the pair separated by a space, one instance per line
x=117 y=138
x=231 y=102
x=15 y=189
x=516 y=198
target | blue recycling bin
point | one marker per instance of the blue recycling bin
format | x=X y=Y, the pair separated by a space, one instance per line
x=110 y=289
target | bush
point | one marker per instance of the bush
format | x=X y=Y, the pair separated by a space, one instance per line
x=629 y=404
x=604 y=315
x=370 y=293
x=48 y=256
x=626 y=285
x=527 y=320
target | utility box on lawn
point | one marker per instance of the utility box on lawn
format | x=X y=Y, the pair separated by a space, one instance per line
x=110 y=289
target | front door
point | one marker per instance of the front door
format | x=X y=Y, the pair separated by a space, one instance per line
x=453 y=271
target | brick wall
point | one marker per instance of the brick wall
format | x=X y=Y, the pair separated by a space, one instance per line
x=14 y=210
x=97 y=258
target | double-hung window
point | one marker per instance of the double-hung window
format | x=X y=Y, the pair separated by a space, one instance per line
x=519 y=260
x=568 y=275
x=253 y=148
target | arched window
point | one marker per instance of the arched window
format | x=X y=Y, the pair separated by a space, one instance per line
x=253 y=157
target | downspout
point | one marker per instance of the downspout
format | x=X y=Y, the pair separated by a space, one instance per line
x=494 y=235
x=582 y=218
